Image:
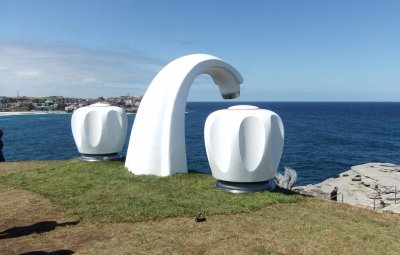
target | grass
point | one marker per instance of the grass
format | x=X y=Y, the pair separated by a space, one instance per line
x=308 y=227
x=106 y=191
x=126 y=214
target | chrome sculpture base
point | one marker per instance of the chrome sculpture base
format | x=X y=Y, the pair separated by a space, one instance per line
x=243 y=187
x=100 y=157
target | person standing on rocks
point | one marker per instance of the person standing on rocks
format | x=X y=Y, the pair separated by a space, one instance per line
x=334 y=194
x=1 y=147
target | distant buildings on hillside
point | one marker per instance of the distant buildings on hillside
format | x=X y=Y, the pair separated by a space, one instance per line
x=58 y=103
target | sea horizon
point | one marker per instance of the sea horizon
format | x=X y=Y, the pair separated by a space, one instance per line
x=321 y=139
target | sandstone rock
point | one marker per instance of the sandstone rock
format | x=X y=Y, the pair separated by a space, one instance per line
x=368 y=183
x=372 y=180
x=374 y=195
x=393 y=208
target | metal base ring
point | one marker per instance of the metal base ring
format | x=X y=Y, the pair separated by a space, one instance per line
x=242 y=187
x=100 y=157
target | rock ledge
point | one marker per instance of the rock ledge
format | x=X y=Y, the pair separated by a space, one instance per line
x=373 y=185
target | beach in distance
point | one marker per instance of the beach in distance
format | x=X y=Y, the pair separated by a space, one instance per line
x=31 y=113
x=321 y=139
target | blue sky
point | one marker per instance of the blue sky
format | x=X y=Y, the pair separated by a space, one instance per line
x=342 y=50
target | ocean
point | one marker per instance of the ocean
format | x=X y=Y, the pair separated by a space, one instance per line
x=321 y=139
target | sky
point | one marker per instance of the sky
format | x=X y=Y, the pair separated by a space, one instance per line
x=286 y=50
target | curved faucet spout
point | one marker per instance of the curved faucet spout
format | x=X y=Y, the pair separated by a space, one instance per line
x=231 y=95
x=157 y=142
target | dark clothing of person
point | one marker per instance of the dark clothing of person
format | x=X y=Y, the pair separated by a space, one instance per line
x=1 y=151
x=334 y=195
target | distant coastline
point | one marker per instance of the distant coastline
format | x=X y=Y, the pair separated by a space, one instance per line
x=26 y=105
x=31 y=113
x=12 y=113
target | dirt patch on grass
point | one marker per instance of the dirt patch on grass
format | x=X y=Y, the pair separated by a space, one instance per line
x=24 y=217
x=20 y=207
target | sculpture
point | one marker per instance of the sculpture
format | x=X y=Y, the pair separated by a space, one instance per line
x=99 y=131
x=157 y=142
x=245 y=156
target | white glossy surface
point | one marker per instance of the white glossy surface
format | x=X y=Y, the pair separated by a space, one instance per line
x=99 y=129
x=244 y=143
x=157 y=142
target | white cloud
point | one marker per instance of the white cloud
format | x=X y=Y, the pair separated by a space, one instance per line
x=67 y=70
x=28 y=73
x=91 y=80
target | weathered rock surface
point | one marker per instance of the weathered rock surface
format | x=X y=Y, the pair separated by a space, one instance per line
x=372 y=185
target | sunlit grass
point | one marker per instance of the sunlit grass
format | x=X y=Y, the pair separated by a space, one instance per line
x=106 y=191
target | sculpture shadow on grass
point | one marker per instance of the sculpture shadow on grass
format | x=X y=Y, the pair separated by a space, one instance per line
x=37 y=228
x=57 y=252
x=285 y=191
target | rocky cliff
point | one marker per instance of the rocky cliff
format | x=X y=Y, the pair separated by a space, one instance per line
x=373 y=185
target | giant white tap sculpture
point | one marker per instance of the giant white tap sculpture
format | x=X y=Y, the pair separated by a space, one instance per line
x=99 y=131
x=244 y=146
x=157 y=142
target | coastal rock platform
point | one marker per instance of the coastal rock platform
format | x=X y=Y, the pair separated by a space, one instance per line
x=373 y=185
